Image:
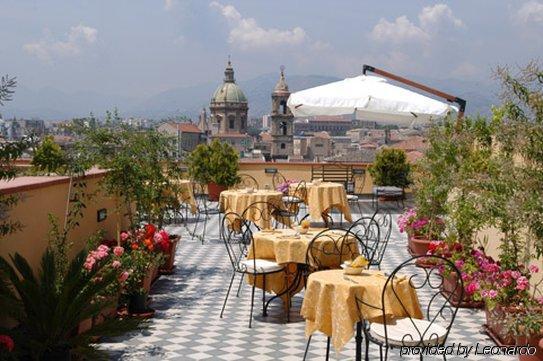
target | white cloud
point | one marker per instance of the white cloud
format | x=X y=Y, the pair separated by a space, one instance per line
x=402 y=29
x=78 y=37
x=399 y=31
x=169 y=4
x=531 y=11
x=438 y=14
x=247 y=34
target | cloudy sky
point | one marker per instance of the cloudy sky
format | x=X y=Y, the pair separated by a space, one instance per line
x=139 y=48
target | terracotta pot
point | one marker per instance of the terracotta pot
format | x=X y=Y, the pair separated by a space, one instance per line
x=449 y=284
x=84 y=326
x=108 y=312
x=137 y=303
x=149 y=278
x=534 y=341
x=495 y=323
x=168 y=265
x=215 y=190
x=418 y=246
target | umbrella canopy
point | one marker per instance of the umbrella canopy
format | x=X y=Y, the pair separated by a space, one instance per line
x=371 y=98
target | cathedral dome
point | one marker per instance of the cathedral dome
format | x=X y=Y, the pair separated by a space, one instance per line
x=229 y=91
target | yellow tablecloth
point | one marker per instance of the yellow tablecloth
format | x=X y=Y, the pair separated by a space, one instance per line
x=186 y=194
x=238 y=200
x=321 y=198
x=330 y=305
x=283 y=247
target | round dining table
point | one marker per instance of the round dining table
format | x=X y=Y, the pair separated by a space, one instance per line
x=330 y=303
x=238 y=200
x=322 y=197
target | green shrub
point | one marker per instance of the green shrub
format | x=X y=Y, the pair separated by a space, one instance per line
x=391 y=168
x=216 y=162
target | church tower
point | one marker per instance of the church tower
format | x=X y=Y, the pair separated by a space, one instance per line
x=281 y=121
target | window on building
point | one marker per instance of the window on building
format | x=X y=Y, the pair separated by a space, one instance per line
x=231 y=122
x=283 y=127
x=283 y=146
x=283 y=106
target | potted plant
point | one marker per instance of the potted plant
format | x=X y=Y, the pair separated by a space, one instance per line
x=527 y=326
x=216 y=165
x=391 y=168
x=421 y=231
x=49 y=307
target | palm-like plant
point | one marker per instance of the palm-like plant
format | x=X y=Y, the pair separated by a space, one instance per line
x=49 y=312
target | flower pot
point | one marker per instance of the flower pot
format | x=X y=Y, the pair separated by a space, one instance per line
x=137 y=303
x=149 y=278
x=167 y=267
x=214 y=190
x=84 y=326
x=450 y=286
x=107 y=312
x=496 y=327
x=534 y=341
x=418 y=246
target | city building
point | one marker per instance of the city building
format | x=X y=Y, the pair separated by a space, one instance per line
x=281 y=121
x=228 y=108
x=334 y=125
x=187 y=136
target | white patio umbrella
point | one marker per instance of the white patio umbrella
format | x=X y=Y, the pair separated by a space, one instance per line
x=371 y=98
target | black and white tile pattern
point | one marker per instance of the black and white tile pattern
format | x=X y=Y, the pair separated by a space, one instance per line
x=187 y=326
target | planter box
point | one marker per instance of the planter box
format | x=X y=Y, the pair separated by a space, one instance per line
x=418 y=246
x=168 y=266
x=449 y=284
x=84 y=326
x=107 y=312
x=495 y=325
x=214 y=191
x=534 y=341
x=152 y=273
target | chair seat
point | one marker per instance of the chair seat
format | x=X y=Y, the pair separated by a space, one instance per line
x=352 y=197
x=262 y=266
x=399 y=331
x=387 y=191
x=291 y=199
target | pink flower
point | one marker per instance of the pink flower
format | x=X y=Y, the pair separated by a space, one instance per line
x=459 y=263
x=124 y=236
x=515 y=274
x=116 y=264
x=89 y=263
x=123 y=276
x=491 y=294
x=539 y=300
x=157 y=238
x=7 y=342
x=533 y=268
x=522 y=283
x=472 y=287
x=118 y=251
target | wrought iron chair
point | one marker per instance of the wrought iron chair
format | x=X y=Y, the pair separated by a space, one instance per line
x=384 y=220
x=438 y=315
x=246 y=181
x=354 y=189
x=295 y=200
x=277 y=179
x=237 y=237
x=328 y=251
x=205 y=209
x=266 y=212
x=368 y=230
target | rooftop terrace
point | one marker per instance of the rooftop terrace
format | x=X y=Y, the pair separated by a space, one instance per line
x=186 y=325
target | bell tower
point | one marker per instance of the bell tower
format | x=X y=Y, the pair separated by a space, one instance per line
x=281 y=121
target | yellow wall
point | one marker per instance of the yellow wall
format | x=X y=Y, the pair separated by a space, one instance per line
x=33 y=209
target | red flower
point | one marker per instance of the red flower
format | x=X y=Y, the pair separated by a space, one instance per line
x=7 y=342
x=149 y=231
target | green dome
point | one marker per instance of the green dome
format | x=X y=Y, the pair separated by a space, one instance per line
x=229 y=92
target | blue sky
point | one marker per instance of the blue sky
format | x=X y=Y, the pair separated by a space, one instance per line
x=139 y=48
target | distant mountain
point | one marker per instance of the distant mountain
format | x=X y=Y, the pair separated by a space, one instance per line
x=191 y=100
x=50 y=103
